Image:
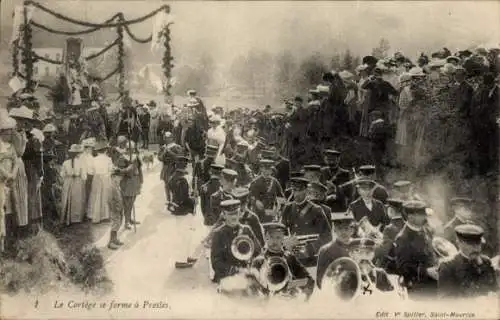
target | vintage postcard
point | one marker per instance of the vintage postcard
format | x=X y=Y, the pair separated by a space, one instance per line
x=249 y=159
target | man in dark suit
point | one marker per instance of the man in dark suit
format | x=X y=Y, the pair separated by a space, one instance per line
x=312 y=172
x=131 y=183
x=207 y=190
x=248 y=217
x=414 y=254
x=469 y=273
x=275 y=235
x=183 y=202
x=332 y=173
x=167 y=155
x=282 y=165
x=344 y=226
x=302 y=217
x=368 y=206
x=317 y=195
x=224 y=263
x=228 y=182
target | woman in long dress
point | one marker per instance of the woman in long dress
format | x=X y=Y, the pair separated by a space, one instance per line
x=98 y=208
x=74 y=176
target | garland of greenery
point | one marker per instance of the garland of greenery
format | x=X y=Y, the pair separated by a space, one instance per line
x=15 y=60
x=133 y=37
x=97 y=25
x=167 y=60
x=70 y=33
x=121 y=55
x=27 y=58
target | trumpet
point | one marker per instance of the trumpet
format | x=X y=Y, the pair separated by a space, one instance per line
x=275 y=274
x=301 y=249
x=369 y=231
x=242 y=247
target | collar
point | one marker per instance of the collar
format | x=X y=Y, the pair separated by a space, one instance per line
x=413 y=227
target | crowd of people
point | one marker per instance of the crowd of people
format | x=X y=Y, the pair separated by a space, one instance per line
x=270 y=185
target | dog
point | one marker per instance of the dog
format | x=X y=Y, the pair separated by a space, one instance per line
x=148 y=158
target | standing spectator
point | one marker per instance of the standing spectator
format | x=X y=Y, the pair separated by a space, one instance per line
x=380 y=92
x=74 y=176
x=98 y=208
x=145 y=121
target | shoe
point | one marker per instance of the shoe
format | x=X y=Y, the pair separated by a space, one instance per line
x=128 y=226
x=113 y=246
x=118 y=242
x=191 y=260
x=134 y=222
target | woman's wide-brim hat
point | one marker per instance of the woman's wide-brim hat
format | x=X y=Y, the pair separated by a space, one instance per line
x=7 y=123
x=22 y=112
x=417 y=72
x=76 y=148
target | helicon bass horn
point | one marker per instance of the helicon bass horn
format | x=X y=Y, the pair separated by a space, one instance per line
x=275 y=274
x=444 y=250
x=343 y=279
x=242 y=247
x=369 y=231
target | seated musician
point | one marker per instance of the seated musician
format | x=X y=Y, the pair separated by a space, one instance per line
x=403 y=190
x=207 y=190
x=469 y=273
x=265 y=191
x=288 y=191
x=227 y=182
x=332 y=172
x=344 y=226
x=182 y=200
x=383 y=256
x=245 y=174
x=275 y=235
x=312 y=172
x=413 y=252
x=368 y=206
x=462 y=213
x=282 y=164
x=362 y=251
x=317 y=195
x=305 y=220
x=224 y=263
x=201 y=171
x=379 y=191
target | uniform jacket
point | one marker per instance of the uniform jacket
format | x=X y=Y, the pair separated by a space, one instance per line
x=201 y=172
x=332 y=178
x=379 y=193
x=297 y=269
x=449 y=229
x=245 y=174
x=181 y=195
x=252 y=220
x=336 y=175
x=215 y=199
x=265 y=191
x=413 y=254
x=376 y=216
x=305 y=219
x=461 y=277
x=283 y=172
x=206 y=191
x=327 y=254
x=167 y=155
x=326 y=210
x=223 y=261
x=132 y=180
x=383 y=252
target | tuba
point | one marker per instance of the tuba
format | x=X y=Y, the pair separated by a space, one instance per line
x=444 y=250
x=275 y=274
x=242 y=246
x=343 y=279
x=369 y=231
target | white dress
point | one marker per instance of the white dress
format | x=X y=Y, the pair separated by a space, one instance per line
x=74 y=176
x=98 y=209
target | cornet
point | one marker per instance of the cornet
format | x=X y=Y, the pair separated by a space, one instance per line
x=242 y=247
x=301 y=248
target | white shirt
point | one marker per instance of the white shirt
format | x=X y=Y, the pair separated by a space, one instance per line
x=67 y=170
x=368 y=204
x=87 y=162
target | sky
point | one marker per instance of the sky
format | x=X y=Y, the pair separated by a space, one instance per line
x=228 y=29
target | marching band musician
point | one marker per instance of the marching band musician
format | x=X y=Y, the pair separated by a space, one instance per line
x=317 y=195
x=289 y=190
x=282 y=164
x=302 y=217
x=182 y=201
x=275 y=235
x=228 y=182
x=247 y=216
x=224 y=263
x=403 y=190
x=379 y=191
x=265 y=191
x=383 y=256
x=367 y=205
x=469 y=273
x=461 y=209
x=413 y=252
x=201 y=172
x=312 y=172
x=245 y=174
x=332 y=173
x=362 y=251
x=167 y=155
x=207 y=190
x=344 y=227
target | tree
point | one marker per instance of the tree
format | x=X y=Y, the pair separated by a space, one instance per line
x=285 y=68
x=310 y=72
x=348 y=61
x=205 y=69
x=382 y=50
x=335 y=62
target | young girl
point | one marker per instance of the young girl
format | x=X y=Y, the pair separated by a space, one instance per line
x=74 y=176
x=98 y=208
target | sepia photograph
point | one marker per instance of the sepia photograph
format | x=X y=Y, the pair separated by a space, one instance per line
x=249 y=159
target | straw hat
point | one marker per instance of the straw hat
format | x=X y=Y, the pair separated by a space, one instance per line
x=76 y=148
x=416 y=72
x=49 y=128
x=346 y=75
x=22 y=113
x=7 y=123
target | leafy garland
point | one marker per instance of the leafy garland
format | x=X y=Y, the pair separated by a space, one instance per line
x=27 y=57
x=167 y=60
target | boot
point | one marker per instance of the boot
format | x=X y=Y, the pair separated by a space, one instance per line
x=116 y=240
x=112 y=245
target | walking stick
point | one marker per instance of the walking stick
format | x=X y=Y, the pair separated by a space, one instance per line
x=130 y=157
